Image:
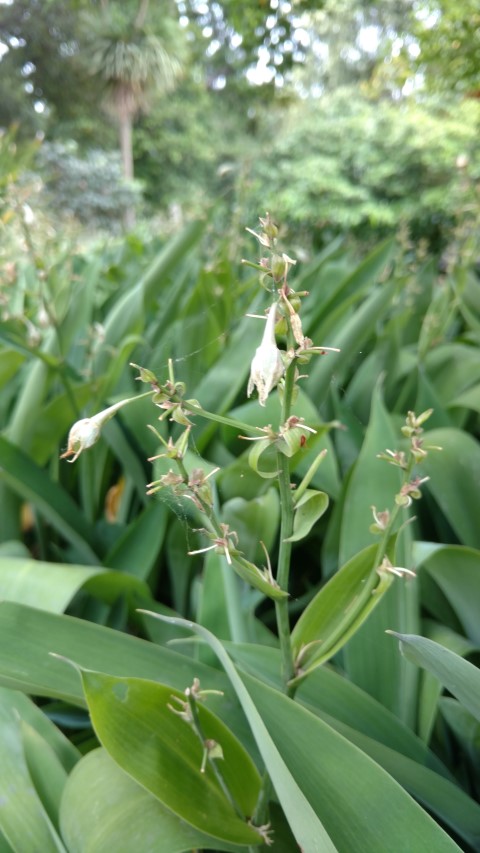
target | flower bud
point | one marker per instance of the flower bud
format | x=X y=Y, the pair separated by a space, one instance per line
x=86 y=432
x=267 y=365
x=83 y=434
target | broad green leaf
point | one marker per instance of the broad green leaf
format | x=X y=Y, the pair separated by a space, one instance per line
x=441 y=796
x=126 y=316
x=347 y=790
x=430 y=688
x=456 y=570
x=27 y=636
x=354 y=283
x=30 y=713
x=51 y=586
x=23 y=819
x=304 y=823
x=463 y=724
x=373 y=481
x=454 y=476
x=368 y=658
x=136 y=552
x=254 y=521
x=34 y=388
x=328 y=692
x=53 y=502
x=348 y=336
x=459 y=676
x=371 y=663
x=134 y=720
x=338 y=610
x=46 y=772
x=308 y=509
x=104 y=809
x=469 y=399
x=453 y=368
x=213 y=602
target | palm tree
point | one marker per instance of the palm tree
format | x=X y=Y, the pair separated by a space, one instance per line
x=134 y=61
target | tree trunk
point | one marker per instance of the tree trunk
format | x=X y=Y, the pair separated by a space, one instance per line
x=126 y=149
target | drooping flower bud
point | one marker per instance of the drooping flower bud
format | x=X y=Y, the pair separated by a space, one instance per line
x=83 y=434
x=86 y=432
x=267 y=365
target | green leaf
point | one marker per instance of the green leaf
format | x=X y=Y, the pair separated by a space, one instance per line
x=368 y=659
x=136 y=552
x=259 y=579
x=23 y=819
x=348 y=336
x=463 y=724
x=27 y=636
x=23 y=708
x=454 y=476
x=440 y=795
x=328 y=692
x=51 y=586
x=456 y=570
x=266 y=449
x=338 y=610
x=347 y=790
x=457 y=675
x=126 y=317
x=373 y=481
x=254 y=520
x=308 y=510
x=158 y=748
x=53 y=502
x=46 y=771
x=104 y=809
x=430 y=688
x=354 y=283
x=306 y=826
x=327 y=476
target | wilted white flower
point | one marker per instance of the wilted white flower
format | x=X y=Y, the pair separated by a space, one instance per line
x=86 y=432
x=267 y=365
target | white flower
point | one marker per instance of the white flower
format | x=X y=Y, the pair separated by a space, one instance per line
x=86 y=432
x=267 y=365
x=83 y=434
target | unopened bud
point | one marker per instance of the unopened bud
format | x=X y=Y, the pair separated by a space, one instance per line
x=267 y=365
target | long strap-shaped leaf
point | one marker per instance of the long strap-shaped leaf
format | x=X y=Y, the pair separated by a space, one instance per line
x=306 y=826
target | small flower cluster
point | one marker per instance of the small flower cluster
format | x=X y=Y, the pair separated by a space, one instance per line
x=383 y=521
x=187 y=710
x=269 y=363
x=417 y=453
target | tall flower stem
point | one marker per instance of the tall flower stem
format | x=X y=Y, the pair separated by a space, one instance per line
x=286 y=530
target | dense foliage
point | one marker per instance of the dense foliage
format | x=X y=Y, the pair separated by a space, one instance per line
x=239 y=469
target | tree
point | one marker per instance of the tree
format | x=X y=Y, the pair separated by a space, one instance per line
x=350 y=162
x=41 y=48
x=132 y=60
x=448 y=36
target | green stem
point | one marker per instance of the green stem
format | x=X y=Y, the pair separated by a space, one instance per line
x=197 y=726
x=221 y=419
x=286 y=530
x=382 y=545
x=234 y=615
